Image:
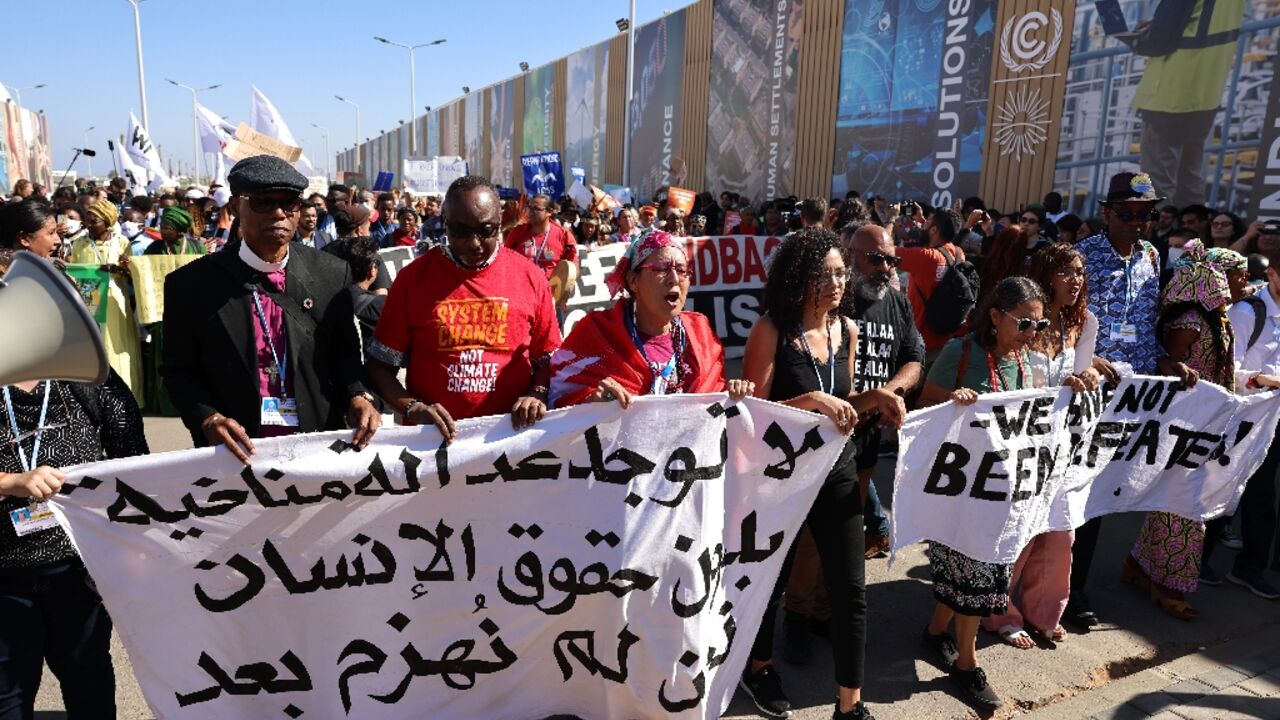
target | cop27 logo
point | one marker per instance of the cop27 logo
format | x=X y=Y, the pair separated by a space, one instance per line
x=1022 y=46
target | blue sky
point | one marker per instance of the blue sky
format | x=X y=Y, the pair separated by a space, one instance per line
x=299 y=53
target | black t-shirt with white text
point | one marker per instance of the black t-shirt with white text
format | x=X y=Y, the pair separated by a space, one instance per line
x=887 y=339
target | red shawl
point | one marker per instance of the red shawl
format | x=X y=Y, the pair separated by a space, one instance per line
x=599 y=346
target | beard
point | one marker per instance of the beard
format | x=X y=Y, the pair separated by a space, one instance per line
x=869 y=287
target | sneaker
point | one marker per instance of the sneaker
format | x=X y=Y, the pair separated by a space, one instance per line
x=1254 y=582
x=944 y=648
x=1208 y=576
x=795 y=639
x=1230 y=539
x=859 y=712
x=764 y=687
x=975 y=688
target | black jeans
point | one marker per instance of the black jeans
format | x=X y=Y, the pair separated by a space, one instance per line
x=1257 y=513
x=1082 y=552
x=837 y=526
x=51 y=614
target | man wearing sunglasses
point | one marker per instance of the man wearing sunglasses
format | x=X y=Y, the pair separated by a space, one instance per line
x=472 y=322
x=259 y=338
x=1122 y=271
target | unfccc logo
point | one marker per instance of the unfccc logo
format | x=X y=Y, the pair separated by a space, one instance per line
x=1021 y=44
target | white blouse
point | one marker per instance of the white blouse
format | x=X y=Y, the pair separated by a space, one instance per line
x=1052 y=372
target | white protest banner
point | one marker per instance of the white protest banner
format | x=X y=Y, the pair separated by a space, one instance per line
x=987 y=478
x=603 y=563
x=727 y=276
x=394 y=259
x=432 y=175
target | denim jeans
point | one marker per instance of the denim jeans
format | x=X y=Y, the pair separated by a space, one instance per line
x=52 y=614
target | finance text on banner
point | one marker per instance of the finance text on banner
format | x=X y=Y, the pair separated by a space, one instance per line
x=987 y=478
x=604 y=563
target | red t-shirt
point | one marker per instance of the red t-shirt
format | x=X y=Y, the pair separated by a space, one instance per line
x=545 y=249
x=470 y=337
x=926 y=267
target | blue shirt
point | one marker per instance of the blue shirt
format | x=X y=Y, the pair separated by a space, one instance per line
x=382 y=230
x=1124 y=292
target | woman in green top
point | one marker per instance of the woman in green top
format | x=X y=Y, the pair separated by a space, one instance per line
x=993 y=358
x=175 y=224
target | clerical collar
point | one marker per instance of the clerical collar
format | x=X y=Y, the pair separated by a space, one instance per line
x=257 y=263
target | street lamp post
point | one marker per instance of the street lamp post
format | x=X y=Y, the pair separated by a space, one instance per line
x=413 y=94
x=357 y=107
x=195 y=124
x=88 y=159
x=17 y=91
x=142 y=81
x=325 y=130
x=627 y=102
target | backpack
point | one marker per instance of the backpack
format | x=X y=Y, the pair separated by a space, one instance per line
x=1259 y=318
x=953 y=298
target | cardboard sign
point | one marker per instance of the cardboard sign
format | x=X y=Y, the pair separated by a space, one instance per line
x=250 y=142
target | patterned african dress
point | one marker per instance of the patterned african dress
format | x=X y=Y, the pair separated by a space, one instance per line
x=1169 y=547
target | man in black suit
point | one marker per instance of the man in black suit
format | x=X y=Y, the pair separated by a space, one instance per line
x=259 y=338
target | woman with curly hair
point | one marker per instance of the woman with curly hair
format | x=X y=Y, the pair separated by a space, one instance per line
x=1006 y=258
x=1166 y=559
x=801 y=353
x=1061 y=354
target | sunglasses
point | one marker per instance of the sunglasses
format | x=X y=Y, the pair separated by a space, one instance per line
x=877 y=259
x=661 y=269
x=466 y=232
x=1126 y=216
x=1025 y=324
x=263 y=204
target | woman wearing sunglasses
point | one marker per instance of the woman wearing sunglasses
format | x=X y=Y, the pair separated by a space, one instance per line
x=801 y=353
x=1166 y=558
x=647 y=343
x=993 y=358
x=1039 y=230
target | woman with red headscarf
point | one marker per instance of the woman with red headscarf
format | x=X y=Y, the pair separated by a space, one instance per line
x=647 y=343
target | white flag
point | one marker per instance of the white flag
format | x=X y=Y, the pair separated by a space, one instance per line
x=264 y=118
x=215 y=134
x=128 y=169
x=144 y=154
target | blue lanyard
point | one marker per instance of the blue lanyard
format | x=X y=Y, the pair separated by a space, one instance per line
x=27 y=465
x=276 y=357
x=831 y=361
x=664 y=375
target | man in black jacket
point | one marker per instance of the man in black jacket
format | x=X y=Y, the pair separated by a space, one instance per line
x=259 y=338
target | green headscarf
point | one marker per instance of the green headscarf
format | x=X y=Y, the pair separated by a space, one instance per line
x=177 y=217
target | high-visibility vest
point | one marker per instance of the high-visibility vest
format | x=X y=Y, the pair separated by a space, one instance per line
x=1192 y=77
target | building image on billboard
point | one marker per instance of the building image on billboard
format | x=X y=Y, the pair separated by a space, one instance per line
x=751 y=113
x=586 y=105
x=914 y=83
x=658 y=86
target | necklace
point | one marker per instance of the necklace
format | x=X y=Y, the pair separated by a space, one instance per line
x=831 y=361
x=996 y=376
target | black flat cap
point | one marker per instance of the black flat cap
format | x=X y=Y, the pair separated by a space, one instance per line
x=265 y=173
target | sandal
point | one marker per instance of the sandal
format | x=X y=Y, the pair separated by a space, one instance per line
x=1057 y=635
x=1015 y=636
x=1173 y=603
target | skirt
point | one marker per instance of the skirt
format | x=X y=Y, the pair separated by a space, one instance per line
x=968 y=586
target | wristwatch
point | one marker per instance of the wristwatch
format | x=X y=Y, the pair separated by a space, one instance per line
x=409 y=406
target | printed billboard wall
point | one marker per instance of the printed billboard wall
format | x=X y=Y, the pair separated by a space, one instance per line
x=502 y=115
x=473 y=118
x=586 y=107
x=433 y=133
x=539 y=115
x=1128 y=105
x=912 y=112
x=751 y=116
x=657 y=89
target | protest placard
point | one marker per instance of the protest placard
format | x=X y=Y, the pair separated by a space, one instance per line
x=727 y=274
x=543 y=174
x=149 y=272
x=620 y=558
x=91 y=281
x=394 y=259
x=250 y=142
x=681 y=199
x=987 y=478
x=432 y=175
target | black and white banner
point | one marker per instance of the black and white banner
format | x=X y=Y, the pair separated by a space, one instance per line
x=604 y=563
x=987 y=478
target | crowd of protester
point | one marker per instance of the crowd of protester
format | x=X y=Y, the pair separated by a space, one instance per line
x=258 y=340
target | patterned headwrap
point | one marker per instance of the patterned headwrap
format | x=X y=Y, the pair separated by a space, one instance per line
x=106 y=210
x=177 y=217
x=1226 y=260
x=639 y=251
x=1198 y=279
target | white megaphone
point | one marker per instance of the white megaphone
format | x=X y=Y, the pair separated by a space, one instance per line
x=47 y=330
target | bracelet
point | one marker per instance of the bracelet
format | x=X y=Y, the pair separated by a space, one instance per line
x=409 y=406
x=539 y=390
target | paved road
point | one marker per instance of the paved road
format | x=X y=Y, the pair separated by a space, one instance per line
x=1140 y=645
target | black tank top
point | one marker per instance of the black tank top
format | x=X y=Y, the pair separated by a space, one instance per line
x=794 y=375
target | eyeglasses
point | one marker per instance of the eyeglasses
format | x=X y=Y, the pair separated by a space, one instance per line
x=466 y=232
x=877 y=259
x=1025 y=324
x=661 y=269
x=1070 y=274
x=1033 y=220
x=534 y=208
x=264 y=204
x=833 y=279
x=1126 y=216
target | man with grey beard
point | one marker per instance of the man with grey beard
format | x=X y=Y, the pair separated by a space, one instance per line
x=890 y=354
